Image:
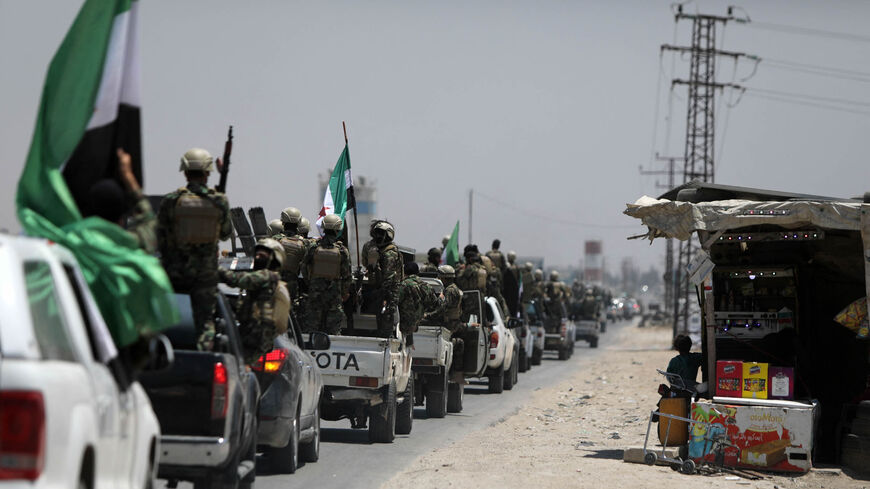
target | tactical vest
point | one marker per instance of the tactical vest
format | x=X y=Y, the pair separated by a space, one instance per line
x=453 y=313
x=497 y=258
x=372 y=254
x=294 y=252
x=275 y=309
x=326 y=263
x=197 y=219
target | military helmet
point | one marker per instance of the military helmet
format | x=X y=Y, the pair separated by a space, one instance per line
x=446 y=271
x=332 y=222
x=554 y=276
x=434 y=254
x=291 y=215
x=445 y=240
x=529 y=266
x=275 y=247
x=275 y=227
x=304 y=226
x=539 y=274
x=196 y=159
x=383 y=231
x=512 y=256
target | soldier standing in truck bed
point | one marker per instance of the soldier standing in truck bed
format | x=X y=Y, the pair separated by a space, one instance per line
x=190 y=223
x=383 y=264
x=327 y=273
x=295 y=249
x=433 y=258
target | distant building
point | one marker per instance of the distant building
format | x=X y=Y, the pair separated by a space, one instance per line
x=365 y=191
x=593 y=262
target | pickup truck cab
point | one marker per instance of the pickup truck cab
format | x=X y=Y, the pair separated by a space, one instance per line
x=68 y=417
x=368 y=379
x=207 y=406
x=502 y=368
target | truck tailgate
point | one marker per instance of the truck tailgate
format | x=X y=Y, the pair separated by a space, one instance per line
x=354 y=356
x=428 y=342
x=181 y=396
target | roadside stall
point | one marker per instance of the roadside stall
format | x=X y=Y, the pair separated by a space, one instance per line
x=782 y=281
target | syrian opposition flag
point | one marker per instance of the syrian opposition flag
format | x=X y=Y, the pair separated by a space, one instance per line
x=338 y=198
x=89 y=108
x=450 y=255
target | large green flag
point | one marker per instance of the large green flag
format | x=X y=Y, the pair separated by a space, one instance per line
x=450 y=255
x=89 y=107
x=338 y=197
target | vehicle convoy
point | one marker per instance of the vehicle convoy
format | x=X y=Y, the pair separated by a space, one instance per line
x=207 y=405
x=291 y=386
x=368 y=379
x=502 y=367
x=559 y=331
x=432 y=360
x=66 y=418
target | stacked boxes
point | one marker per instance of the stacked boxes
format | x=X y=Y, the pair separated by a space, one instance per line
x=755 y=380
x=729 y=378
x=781 y=383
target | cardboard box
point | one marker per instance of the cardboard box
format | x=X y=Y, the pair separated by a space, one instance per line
x=780 y=383
x=779 y=439
x=755 y=380
x=729 y=378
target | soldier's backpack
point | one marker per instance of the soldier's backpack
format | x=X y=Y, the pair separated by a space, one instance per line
x=197 y=219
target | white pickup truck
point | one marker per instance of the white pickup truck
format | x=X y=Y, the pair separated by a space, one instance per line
x=69 y=418
x=368 y=379
x=503 y=364
x=433 y=357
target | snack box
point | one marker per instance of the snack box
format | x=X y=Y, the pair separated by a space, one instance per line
x=755 y=380
x=729 y=378
x=780 y=383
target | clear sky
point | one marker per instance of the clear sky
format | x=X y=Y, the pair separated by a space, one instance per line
x=545 y=108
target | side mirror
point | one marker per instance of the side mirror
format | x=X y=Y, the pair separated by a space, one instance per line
x=514 y=323
x=160 y=353
x=318 y=340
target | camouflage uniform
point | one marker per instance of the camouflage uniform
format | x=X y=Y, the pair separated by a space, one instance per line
x=142 y=224
x=433 y=260
x=497 y=259
x=192 y=267
x=264 y=311
x=494 y=282
x=328 y=283
x=385 y=275
x=472 y=277
x=295 y=249
x=415 y=299
x=449 y=310
x=429 y=267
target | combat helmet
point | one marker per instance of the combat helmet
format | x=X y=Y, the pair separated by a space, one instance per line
x=332 y=222
x=529 y=266
x=554 y=276
x=539 y=274
x=446 y=271
x=291 y=215
x=304 y=226
x=275 y=247
x=434 y=254
x=382 y=232
x=512 y=256
x=275 y=227
x=445 y=240
x=196 y=159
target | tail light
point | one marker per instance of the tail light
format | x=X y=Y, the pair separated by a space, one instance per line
x=493 y=339
x=540 y=333
x=271 y=362
x=219 y=389
x=363 y=382
x=564 y=330
x=22 y=434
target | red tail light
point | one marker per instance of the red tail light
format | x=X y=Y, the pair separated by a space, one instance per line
x=363 y=382
x=271 y=362
x=219 y=391
x=564 y=330
x=493 y=339
x=22 y=434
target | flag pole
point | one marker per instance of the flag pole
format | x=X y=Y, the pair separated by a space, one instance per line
x=355 y=221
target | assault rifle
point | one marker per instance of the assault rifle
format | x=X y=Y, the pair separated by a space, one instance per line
x=225 y=167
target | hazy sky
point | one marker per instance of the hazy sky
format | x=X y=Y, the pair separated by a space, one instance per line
x=548 y=106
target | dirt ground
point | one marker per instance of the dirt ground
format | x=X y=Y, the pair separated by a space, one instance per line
x=573 y=434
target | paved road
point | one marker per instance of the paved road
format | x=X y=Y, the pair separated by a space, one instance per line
x=348 y=460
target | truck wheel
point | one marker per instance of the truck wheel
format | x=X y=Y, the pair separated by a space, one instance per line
x=285 y=460
x=496 y=381
x=250 y=455
x=436 y=396
x=382 y=422
x=510 y=378
x=524 y=362
x=405 y=411
x=310 y=452
x=593 y=343
x=537 y=356
x=563 y=353
x=455 y=392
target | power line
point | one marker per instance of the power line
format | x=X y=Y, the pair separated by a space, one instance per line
x=548 y=217
x=808 y=104
x=805 y=96
x=805 y=31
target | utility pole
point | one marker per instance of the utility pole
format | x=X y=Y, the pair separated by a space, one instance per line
x=698 y=158
x=470 y=212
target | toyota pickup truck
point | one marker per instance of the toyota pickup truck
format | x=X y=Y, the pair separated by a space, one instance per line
x=433 y=357
x=206 y=403
x=367 y=379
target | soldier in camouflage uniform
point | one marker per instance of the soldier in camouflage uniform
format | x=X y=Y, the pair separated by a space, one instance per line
x=449 y=313
x=473 y=276
x=496 y=256
x=538 y=288
x=416 y=299
x=265 y=310
x=528 y=280
x=190 y=223
x=276 y=229
x=433 y=258
x=494 y=281
x=383 y=264
x=295 y=249
x=326 y=270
